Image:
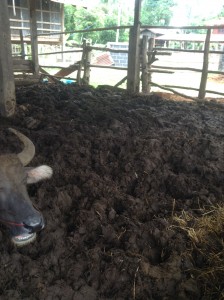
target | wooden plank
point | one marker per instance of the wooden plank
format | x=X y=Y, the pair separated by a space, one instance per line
x=133 y=79
x=7 y=83
x=34 y=39
x=22 y=68
x=25 y=62
x=22 y=65
x=204 y=75
x=67 y=71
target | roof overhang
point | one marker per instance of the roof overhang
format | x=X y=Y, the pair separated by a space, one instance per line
x=81 y=3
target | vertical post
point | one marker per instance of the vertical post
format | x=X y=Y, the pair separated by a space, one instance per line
x=23 y=54
x=134 y=52
x=204 y=74
x=81 y=62
x=118 y=21
x=145 y=77
x=87 y=60
x=33 y=35
x=62 y=37
x=7 y=83
x=150 y=60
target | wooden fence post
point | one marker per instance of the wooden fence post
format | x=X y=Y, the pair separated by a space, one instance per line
x=23 y=53
x=87 y=60
x=145 y=77
x=133 y=77
x=81 y=62
x=33 y=36
x=7 y=83
x=204 y=74
x=150 y=60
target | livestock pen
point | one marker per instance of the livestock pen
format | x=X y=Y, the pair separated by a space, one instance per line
x=186 y=63
x=134 y=209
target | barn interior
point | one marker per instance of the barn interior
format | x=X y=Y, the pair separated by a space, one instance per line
x=134 y=209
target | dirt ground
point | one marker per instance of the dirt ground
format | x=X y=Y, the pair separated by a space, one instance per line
x=124 y=166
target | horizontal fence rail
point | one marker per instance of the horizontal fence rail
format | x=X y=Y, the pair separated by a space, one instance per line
x=145 y=60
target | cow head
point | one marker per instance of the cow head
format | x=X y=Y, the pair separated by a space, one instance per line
x=16 y=209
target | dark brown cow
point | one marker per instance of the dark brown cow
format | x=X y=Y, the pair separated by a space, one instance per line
x=16 y=209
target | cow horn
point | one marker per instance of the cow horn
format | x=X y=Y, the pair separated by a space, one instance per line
x=29 y=149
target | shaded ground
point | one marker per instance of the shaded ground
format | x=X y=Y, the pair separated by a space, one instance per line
x=123 y=167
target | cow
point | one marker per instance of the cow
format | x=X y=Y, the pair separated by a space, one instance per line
x=16 y=209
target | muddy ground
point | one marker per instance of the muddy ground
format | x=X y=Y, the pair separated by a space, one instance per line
x=124 y=165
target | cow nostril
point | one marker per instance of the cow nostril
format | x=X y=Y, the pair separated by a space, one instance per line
x=34 y=224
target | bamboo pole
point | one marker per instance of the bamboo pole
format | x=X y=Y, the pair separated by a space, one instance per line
x=190 y=51
x=204 y=74
x=172 y=90
x=60 y=52
x=108 y=49
x=85 y=30
x=121 y=81
x=108 y=67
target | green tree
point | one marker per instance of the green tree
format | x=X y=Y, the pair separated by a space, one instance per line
x=81 y=19
x=104 y=15
x=221 y=14
x=157 y=12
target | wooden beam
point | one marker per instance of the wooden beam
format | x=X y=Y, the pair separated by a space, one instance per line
x=133 y=79
x=34 y=39
x=204 y=74
x=7 y=83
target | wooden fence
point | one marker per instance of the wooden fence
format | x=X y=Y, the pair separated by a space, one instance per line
x=141 y=56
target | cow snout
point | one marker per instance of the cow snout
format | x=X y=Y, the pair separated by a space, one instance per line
x=34 y=223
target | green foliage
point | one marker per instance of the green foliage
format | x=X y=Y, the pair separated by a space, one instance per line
x=221 y=14
x=80 y=19
x=154 y=12
x=103 y=16
x=157 y=12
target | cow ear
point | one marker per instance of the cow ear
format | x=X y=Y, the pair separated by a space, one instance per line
x=40 y=173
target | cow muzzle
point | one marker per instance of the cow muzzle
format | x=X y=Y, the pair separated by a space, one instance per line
x=25 y=233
